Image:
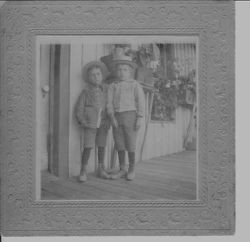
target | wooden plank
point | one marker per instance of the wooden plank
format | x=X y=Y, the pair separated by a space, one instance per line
x=174 y=173
x=182 y=172
x=173 y=190
x=54 y=81
x=144 y=184
x=57 y=190
x=56 y=107
x=59 y=110
x=148 y=119
x=48 y=195
x=152 y=182
x=158 y=189
x=63 y=115
x=63 y=189
x=169 y=166
x=124 y=187
x=153 y=175
x=76 y=86
x=151 y=168
x=121 y=186
x=138 y=190
x=173 y=162
x=162 y=183
x=51 y=110
x=97 y=188
x=96 y=184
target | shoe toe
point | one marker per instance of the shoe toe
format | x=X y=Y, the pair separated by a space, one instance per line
x=82 y=178
x=104 y=175
x=114 y=176
x=130 y=176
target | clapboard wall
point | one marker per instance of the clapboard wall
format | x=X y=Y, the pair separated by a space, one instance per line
x=162 y=137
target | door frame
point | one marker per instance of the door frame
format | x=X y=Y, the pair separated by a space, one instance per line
x=58 y=130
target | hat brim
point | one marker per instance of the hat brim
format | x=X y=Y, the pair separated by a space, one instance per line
x=124 y=62
x=91 y=64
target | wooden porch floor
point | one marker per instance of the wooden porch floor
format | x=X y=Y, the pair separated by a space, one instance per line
x=171 y=177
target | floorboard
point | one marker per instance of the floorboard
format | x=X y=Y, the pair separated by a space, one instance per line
x=171 y=177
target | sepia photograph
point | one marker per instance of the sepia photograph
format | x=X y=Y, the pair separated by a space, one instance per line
x=117 y=117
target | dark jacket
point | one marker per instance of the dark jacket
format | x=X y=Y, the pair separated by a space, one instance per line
x=88 y=106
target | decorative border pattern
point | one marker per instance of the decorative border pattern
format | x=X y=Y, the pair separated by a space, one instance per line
x=93 y=204
x=213 y=213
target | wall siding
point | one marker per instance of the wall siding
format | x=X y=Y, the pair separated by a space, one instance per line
x=162 y=138
x=166 y=137
x=76 y=85
x=80 y=55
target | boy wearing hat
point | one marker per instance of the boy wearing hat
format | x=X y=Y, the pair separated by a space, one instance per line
x=91 y=115
x=125 y=107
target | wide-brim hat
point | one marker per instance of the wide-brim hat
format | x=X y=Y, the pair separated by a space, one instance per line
x=123 y=60
x=92 y=64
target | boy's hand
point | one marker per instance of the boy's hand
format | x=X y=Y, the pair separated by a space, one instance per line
x=106 y=124
x=138 y=123
x=114 y=122
x=82 y=124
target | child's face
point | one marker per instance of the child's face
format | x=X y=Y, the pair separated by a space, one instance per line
x=95 y=76
x=124 y=72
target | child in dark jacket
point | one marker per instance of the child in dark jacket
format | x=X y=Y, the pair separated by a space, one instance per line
x=91 y=115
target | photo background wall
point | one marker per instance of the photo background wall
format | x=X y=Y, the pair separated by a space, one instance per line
x=170 y=121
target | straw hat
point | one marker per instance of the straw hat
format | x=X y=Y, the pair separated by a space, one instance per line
x=121 y=59
x=92 y=64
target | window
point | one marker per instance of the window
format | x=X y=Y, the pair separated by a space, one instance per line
x=174 y=80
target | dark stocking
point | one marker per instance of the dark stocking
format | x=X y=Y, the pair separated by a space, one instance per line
x=131 y=158
x=85 y=157
x=121 y=155
x=101 y=153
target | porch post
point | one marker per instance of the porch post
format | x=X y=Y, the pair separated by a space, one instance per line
x=59 y=110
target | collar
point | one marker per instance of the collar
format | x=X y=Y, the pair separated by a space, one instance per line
x=119 y=81
x=94 y=87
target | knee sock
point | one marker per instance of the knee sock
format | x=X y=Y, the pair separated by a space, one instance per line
x=85 y=157
x=121 y=155
x=101 y=153
x=131 y=158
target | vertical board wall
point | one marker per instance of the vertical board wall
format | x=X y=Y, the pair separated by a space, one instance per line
x=162 y=138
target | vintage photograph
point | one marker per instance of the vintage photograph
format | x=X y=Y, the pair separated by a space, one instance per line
x=117 y=117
